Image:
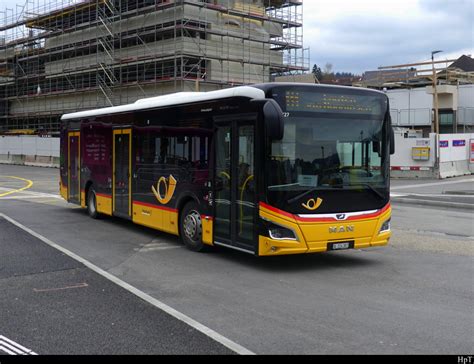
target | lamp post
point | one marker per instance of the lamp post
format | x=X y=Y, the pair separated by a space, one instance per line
x=436 y=116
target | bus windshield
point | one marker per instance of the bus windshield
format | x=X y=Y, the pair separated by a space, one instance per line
x=330 y=150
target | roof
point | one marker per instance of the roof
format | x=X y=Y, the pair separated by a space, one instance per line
x=463 y=63
x=321 y=87
x=180 y=98
x=388 y=75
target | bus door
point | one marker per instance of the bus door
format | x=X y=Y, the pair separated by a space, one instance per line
x=121 y=179
x=74 y=167
x=235 y=186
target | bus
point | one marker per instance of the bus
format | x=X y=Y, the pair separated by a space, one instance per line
x=269 y=169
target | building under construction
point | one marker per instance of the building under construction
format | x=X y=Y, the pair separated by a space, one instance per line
x=64 y=56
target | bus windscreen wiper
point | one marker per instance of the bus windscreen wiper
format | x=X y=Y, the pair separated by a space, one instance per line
x=296 y=198
x=301 y=195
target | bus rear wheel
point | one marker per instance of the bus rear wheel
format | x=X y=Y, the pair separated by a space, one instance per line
x=92 y=203
x=190 y=227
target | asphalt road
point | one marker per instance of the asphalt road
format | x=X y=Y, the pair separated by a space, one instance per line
x=56 y=305
x=412 y=297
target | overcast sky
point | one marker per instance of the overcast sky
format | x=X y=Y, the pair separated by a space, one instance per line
x=361 y=35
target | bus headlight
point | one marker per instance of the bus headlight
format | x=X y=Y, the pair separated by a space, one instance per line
x=385 y=227
x=277 y=232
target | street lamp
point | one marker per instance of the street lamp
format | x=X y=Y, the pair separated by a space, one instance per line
x=436 y=116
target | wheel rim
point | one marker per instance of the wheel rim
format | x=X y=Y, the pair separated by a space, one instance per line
x=192 y=226
x=91 y=204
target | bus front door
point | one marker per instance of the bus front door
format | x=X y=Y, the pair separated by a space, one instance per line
x=121 y=183
x=74 y=167
x=235 y=186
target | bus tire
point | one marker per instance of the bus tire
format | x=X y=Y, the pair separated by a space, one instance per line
x=190 y=227
x=92 y=203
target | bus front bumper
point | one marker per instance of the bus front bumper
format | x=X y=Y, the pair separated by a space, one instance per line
x=317 y=237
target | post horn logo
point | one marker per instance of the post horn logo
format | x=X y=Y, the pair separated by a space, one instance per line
x=170 y=187
x=312 y=204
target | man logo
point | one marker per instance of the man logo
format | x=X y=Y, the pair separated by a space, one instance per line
x=341 y=216
x=341 y=229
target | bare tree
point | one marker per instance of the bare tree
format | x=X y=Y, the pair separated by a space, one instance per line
x=327 y=68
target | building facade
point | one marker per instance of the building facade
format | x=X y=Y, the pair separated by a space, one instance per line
x=69 y=55
x=413 y=108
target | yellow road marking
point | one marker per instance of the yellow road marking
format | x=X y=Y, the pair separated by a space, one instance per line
x=29 y=184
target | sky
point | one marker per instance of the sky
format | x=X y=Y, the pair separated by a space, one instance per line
x=361 y=35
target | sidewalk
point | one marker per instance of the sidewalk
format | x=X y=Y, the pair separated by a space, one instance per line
x=457 y=192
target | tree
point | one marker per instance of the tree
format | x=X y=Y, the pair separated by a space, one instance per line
x=317 y=72
x=327 y=69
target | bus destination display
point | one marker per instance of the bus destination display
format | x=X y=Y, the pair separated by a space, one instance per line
x=330 y=103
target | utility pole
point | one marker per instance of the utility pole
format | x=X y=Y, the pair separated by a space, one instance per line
x=435 y=89
x=436 y=115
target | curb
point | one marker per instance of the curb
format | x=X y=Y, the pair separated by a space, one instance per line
x=459 y=193
x=413 y=201
x=42 y=165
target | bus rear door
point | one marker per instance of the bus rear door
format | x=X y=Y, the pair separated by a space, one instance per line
x=74 y=167
x=122 y=168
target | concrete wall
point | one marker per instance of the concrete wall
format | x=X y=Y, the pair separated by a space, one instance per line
x=29 y=150
x=403 y=151
x=454 y=155
x=402 y=163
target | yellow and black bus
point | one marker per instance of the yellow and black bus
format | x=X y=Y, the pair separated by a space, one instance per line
x=267 y=169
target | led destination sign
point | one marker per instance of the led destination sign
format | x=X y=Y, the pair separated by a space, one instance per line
x=331 y=102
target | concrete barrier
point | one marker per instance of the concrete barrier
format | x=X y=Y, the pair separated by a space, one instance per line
x=29 y=151
x=28 y=160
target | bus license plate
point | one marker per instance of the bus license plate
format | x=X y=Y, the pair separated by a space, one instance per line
x=343 y=245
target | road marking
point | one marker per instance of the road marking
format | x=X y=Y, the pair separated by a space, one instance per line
x=156 y=245
x=10 y=347
x=28 y=194
x=432 y=184
x=29 y=184
x=155 y=302
x=80 y=285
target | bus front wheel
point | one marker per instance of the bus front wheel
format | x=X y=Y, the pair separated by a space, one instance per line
x=190 y=227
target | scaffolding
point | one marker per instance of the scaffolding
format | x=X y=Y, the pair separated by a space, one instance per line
x=70 y=55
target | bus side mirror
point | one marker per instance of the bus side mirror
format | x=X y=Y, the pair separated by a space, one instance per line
x=392 y=142
x=272 y=117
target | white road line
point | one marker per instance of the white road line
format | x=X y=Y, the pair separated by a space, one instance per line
x=5 y=350
x=434 y=195
x=27 y=194
x=157 y=303
x=32 y=197
x=10 y=346
x=397 y=194
x=157 y=248
x=432 y=184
